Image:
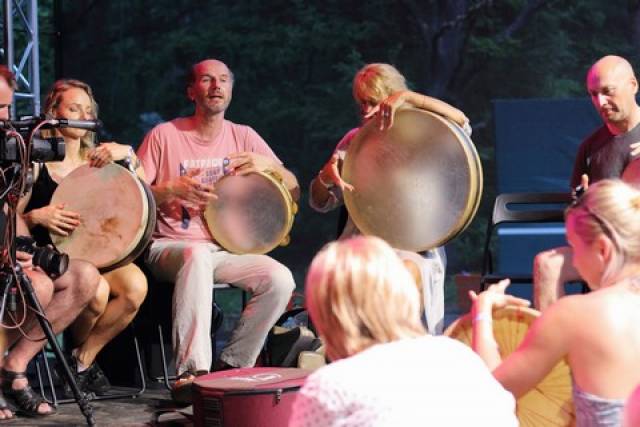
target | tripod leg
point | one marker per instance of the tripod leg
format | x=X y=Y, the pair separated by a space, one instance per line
x=81 y=398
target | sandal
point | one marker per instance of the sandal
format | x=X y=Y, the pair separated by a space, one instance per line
x=181 y=390
x=25 y=399
x=4 y=405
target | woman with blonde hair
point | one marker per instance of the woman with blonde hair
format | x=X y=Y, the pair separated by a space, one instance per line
x=121 y=290
x=386 y=370
x=380 y=90
x=597 y=332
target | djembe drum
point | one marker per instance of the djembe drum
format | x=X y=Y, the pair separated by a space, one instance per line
x=550 y=402
x=253 y=213
x=117 y=215
x=417 y=185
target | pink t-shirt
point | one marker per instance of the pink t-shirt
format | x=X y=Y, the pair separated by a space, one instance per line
x=172 y=149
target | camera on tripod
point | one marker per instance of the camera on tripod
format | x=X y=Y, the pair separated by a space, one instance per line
x=42 y=149
x=51 y=261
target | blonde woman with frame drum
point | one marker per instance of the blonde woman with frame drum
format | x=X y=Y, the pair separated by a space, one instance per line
x=597 y=332
x=386 y=370
x=380 y=90
x=122 y=290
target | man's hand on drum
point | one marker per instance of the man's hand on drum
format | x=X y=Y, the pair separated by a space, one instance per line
x=108 y=152
x=494 y=297
x=191 y=190
x=247 y=162
x=331 y=173
x=56 y=219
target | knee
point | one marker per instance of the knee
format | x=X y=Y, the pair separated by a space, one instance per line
x=135 y=292
x=547 y=264
x=196 y=255
x=98 y=303
x=83 y=278
x=281 y=281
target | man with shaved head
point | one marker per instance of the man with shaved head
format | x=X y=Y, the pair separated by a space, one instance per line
x=183 y=159
x=612 y=86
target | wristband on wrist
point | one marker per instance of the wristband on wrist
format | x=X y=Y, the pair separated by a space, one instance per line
x=483 y=317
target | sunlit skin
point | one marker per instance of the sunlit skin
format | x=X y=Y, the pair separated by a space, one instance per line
x=612 y=87
x=121 y=291
x=6 y=97
x=211 y=92
x=595 y=332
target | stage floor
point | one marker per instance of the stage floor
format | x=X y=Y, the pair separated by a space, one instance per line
x=153 y=408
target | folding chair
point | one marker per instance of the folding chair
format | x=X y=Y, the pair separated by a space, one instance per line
x=115 y=393
x=525 y=208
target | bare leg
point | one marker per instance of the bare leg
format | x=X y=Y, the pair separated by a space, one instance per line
x=43 y=287
x=72 y=292
x=128 y=290
x=551 y=270
x=82 y=326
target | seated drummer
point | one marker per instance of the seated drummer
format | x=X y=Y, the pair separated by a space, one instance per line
x=122 y=290
x=597 y=333
x=380 y=90
x=183 y=159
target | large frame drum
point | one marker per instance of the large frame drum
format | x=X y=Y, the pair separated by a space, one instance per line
x=253 y=213
x=550 y=403
x=117 y=215
x=417 y=185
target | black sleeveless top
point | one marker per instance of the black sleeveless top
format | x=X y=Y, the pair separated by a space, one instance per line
x=41 y=194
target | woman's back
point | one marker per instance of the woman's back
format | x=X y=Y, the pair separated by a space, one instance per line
x=604 y=347
x=420 y=381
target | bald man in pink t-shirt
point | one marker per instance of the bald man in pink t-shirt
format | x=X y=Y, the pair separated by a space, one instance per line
x=182 y=160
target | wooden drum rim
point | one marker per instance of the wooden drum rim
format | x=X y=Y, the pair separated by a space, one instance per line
x=282 y=238
x=550 y=402
x=146 y=221
x=468 y=207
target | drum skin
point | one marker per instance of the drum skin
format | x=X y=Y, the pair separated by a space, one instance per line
x=253 y=213
x=417 y=185
x=550 y=402
x=117 y=215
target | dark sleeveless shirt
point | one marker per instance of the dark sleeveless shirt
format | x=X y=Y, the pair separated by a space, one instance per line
x=41 y=194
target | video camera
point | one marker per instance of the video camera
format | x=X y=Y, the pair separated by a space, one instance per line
x=41 y=149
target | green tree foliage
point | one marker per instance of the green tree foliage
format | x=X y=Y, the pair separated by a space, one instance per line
x=294 y=60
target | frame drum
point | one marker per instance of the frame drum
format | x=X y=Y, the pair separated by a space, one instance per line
x=417 y=185
x=253 y=213
x=117 y=215
x=550 y=402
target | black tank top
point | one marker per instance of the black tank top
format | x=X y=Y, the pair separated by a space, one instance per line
x=41 y=194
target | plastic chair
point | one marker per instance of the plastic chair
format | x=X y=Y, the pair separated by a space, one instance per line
x=533 y=208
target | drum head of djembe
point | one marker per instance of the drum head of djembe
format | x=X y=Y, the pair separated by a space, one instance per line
x=417 y=185
x=550 y=402
x=116 y=215
x=252 y=214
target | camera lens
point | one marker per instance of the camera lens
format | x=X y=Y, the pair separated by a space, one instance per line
x=55 y=264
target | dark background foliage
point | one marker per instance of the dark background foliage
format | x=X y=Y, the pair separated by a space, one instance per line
x=294 y=61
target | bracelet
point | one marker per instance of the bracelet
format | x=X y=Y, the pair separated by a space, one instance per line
x=326 y=185
x=482 y=317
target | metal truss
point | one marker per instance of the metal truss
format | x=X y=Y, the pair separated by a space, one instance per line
x=22 y=50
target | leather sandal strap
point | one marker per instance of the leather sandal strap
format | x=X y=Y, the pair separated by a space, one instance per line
x=11 y=376
x=26 y=400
